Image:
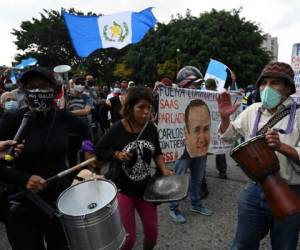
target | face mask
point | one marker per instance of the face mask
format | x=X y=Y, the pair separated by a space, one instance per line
x=11 y=106
x=40 y=100
x=270 y=97
x=79 y=88
x=91 y=83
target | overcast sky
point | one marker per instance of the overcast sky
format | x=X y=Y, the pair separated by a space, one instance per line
x=279 y=18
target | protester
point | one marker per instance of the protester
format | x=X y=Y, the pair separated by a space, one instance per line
x=197 y=135
x=255 y=220
x=93 y=92
x=104 y=92
x=43 y=156
x=8 y=102
x=221 y=164
x=230 y=82
x=115 y=104
x=124 y=86
x=80 y=105
x=19 y=95
x=130 y=164
x=115 y=90
x=131 y=84
x=189 y=77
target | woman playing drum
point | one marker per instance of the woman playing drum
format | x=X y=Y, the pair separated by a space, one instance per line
x=130 y=144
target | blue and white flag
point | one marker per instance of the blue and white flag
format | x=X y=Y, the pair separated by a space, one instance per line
x=13 y=77
x=217 y=71
x=89 y=33
x=25 y=63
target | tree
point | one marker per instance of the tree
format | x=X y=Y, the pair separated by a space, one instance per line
x=167 y=69
x=221 y=35
x=46 y=39
x=121 y=71
x=185 y=40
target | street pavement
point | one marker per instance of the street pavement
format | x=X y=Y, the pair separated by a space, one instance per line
x=214 y=232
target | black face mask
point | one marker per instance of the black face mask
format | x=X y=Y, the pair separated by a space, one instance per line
x=40 y=100
x=91 y=83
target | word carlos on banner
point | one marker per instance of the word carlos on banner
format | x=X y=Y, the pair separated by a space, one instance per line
x=89 y=33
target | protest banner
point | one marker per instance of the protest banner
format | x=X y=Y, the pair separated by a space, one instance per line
x=295 y=63
x=171 y=120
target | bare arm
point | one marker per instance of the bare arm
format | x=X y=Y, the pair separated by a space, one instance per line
x=82 y=112
x=159 y=161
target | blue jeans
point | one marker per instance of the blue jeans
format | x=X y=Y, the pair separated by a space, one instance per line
x=255 y=221
x=197 y=167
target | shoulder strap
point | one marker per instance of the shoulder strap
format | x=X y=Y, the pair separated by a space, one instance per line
x=275 y=119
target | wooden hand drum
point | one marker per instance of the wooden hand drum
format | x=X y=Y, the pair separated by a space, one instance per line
x=260 y=163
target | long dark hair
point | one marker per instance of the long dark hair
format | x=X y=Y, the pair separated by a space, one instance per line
x=134 y=96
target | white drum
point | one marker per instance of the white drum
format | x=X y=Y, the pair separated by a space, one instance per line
x=90 y=216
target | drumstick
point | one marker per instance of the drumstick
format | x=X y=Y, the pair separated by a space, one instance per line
x=70 y=170
x=59 y=175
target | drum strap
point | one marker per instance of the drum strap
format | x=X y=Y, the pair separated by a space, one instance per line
x=277 y=117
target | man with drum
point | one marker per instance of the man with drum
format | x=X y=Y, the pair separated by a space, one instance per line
x=255 y=219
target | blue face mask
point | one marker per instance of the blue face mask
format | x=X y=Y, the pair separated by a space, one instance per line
x=11 y=106
x=270 y=97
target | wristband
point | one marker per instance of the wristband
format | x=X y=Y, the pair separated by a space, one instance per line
x=88 y=146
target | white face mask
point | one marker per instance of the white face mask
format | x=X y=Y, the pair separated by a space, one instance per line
x=79 y=88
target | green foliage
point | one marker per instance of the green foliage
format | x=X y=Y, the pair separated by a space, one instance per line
x=221 y=35
x=121 y=71
x=167 y=69
x=185 y=40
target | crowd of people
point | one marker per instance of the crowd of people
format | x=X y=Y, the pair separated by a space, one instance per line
x=80 y=119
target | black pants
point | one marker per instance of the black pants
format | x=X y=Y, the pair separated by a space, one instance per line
x=221 y=164
x=30 y=229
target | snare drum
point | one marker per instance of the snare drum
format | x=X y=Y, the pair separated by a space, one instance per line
x=90 y=216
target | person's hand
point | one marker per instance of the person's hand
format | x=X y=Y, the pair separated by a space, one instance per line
x=224 y=105
x=4 y=145
x=123 y=156
x=273 y=140
x=167 y=172
x=157 y=85
x=36 y=184
x=89 y=155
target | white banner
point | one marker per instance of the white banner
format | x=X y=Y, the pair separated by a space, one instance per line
x=295 y=63
x=171 y=120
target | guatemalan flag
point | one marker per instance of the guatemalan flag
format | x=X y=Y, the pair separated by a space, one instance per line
x=89 y=33
x=217 y=71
